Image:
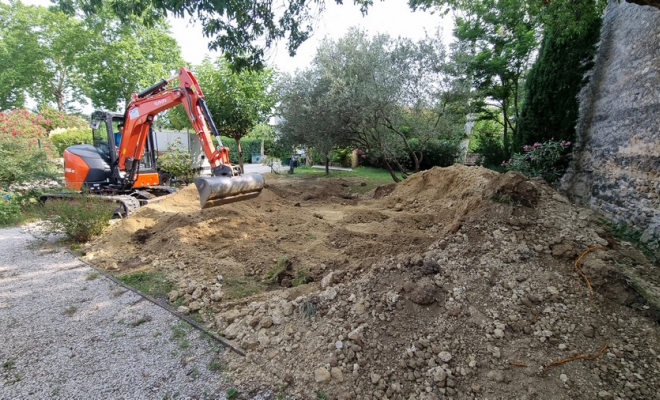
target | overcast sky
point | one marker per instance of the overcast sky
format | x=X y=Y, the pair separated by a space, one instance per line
x=390 y=16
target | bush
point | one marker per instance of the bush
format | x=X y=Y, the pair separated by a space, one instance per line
x=63 y=138
x=440 y=153
x=248 y=145
x=79 y=217
x=52 y=119
x=548 y=160
x=24 y=147
x=177 y=162
x=10 y=208
x=490 y=147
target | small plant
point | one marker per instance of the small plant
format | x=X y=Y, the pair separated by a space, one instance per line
x=548 y=160
x=215 y=365
x=194 y=373
x=91 y=276
x=79 y=217
x=321 y=395
x=177 y=162
x=232 y=393
x=273 y=274
x=179 y=334
x=151 y=283
x=302 y=277
x=70 y=311
x=8 y=364
x=307 y=309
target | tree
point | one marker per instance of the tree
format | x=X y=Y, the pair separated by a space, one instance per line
x=237 y=100
x=550 y=108
x=243 y=30
x=61 y=60
x=122 y=58
x=500 y=38
x=306 y=118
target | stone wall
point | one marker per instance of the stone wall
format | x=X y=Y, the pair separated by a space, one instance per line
x=616 y=166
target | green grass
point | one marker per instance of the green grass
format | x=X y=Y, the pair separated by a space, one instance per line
x=302 y=277
x=321 y=395
x=629 y=234
x=242 y=287
x=373 y=177
x=215 y=365
x=8 y=364
x=273 y=274
x=152 y=283
x=232 y=393
x=70 y=311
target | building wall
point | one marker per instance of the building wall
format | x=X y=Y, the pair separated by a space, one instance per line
x=616 y=167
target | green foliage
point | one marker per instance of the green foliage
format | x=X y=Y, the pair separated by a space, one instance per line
x=79 y=217
x=490 y=147
x=551 y=106
x=548 y=160
x=232 y=393
x=630 y=234
x=440 y=153
x=62 y=59
x=273 y=274
x=237 y=100
x=177 y=162
x=153 y=283
x=249 y=145
x=10 y=208
x=63 y=138
x=54 y=119
x=17 y=206
x=301 y=278
x=24 y=147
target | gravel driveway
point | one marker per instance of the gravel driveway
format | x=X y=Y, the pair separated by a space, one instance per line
x=67 y=332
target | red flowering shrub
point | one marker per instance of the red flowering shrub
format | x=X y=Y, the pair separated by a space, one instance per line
x=53 y=119
x=24 y=147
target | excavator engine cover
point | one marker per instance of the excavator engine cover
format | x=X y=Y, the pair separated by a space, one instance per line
x=218 y=190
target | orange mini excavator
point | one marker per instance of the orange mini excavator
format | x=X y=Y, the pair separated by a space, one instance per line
x=124 y=168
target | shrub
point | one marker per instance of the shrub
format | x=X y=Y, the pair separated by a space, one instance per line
x=177 y=162
x=24 y=147
x=440 y=153
x=10 y=208
x=63 y=138
x=249 y=146
x=79 y=217
x=548 y=160
x=52 y=119
x=490 y=147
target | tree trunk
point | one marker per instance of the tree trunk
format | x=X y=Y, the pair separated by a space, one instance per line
x=240 y=153
x=327 y=164
x=262 y=147
x=391 y=170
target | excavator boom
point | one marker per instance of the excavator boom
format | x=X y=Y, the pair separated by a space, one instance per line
x=227 y=183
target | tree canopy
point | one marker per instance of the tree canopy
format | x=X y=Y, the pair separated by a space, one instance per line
x=63 y=60
x=237 y=100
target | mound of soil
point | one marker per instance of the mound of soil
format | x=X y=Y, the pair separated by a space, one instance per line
x=457 y=283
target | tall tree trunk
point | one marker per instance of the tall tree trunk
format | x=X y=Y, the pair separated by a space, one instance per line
x=262 y=147
x=240 y=153
x=505 y=138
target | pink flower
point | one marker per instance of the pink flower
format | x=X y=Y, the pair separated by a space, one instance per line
x=537 y=144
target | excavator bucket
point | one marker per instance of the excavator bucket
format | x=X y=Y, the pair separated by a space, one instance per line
x=218 y=190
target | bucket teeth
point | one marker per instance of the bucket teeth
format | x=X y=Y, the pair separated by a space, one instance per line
x=218 y=190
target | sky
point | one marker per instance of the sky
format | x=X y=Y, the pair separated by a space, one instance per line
x=393 y=17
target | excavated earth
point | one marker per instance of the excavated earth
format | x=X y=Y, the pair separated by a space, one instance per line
x=457 y=283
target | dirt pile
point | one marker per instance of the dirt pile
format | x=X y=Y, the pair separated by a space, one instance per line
x=458 y=283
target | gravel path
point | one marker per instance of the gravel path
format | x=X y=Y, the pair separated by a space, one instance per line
x=67 y=332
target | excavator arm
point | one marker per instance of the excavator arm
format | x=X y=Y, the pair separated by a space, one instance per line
x=226 y=184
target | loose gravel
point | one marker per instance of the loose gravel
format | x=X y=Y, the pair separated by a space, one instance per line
x=68 y=332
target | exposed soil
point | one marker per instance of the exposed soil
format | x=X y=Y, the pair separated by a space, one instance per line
x=458 y=282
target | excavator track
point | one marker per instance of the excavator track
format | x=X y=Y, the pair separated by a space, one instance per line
x=125 y=205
